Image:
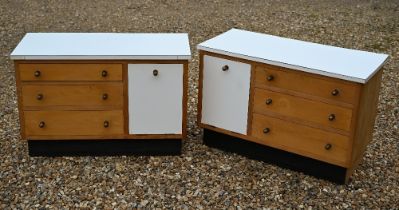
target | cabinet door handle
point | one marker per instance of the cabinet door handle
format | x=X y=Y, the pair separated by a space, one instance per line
x=106 y=124
x=328 y=146
x=42 y=124
x=225 y=68
x=104 y=73
x=39 y=96
x=269 y=101
x=155 y=72
x=335 y=92
x=270 y=78
x=266 y=130
x=37 y=73
x=105 y=96
x=331 y=117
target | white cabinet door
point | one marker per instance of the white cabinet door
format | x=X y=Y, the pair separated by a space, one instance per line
x=155 y=99
x=225 y=94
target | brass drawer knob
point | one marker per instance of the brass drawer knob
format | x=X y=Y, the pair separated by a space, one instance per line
x=270 y=78
x=37 y=73
x=104 y=73
x=266 y=130
x=155 y=72
x=269 y=101
x=335 y=92
x=106 y=124
x=105 y=96
x=39 y=96
x=225 y=68
x=331 y=117
x=328 y=146
x=41 y=124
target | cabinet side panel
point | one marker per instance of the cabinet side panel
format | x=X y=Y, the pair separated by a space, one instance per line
x=225 y=94
x=185 y=99
x=366 y=117
x=19 y=99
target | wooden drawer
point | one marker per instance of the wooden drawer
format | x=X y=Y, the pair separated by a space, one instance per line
x=266 y=101
x=70 y=72
x=73 y=95
x=70 y=123
x=302 y=139
x=303 y=82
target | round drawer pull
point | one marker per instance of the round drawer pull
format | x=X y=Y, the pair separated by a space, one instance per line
x=270 y=78
x=41 y=124
x=266 y=130
x=335 y=92
x=225 y=68
x=106 y=124
x=37 y=73
x=269 y=101
x=328 y=146
x=105 y=96
x=104 y=73
x=331 y=117
x=39 y=96
x=155 y=72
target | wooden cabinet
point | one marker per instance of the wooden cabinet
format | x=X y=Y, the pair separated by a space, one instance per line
x=315 y=101
x=70 y=100
x=131 y=88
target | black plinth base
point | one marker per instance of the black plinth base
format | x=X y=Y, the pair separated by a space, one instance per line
x=274 y=156
x=114 y=147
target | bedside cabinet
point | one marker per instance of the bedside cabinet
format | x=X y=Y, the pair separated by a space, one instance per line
x=305 y=106
x=102 y=93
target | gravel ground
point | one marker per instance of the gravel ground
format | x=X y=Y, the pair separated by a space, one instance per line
x=202 y=178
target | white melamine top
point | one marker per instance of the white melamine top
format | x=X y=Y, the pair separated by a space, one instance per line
x=99 y=46
x=347 y=64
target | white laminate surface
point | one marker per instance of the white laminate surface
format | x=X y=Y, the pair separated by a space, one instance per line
x=347 y=64
x=86 y=46
x=155 y=102
x=225 y=94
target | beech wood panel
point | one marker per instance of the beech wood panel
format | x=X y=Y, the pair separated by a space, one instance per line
x=302 y=109
x=70 y=71
x=19 y=99
x=73 y=95
x=313 y=85
x=69 y=123
x=366 y=116
x=301 y=139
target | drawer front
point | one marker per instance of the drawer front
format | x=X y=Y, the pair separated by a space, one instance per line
x=306 y=83
x=73 y=95
x=266 y=101
x=155 y=98
x=225 y=94
x=69 y=123
x=70 y=72
x=303 y=140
